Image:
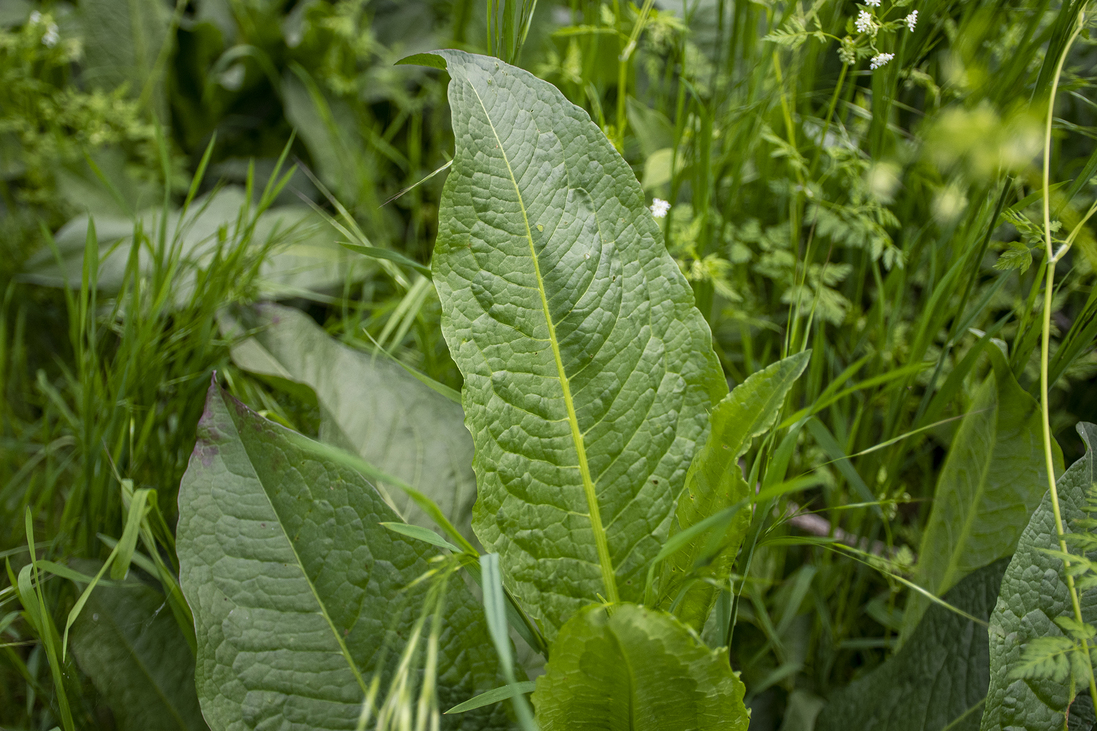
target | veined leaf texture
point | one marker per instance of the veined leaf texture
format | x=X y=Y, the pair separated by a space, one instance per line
x=589 y=374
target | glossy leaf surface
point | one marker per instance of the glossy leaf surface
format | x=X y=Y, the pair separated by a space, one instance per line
x=636 y=670
x=588 y=371
x=294 y=584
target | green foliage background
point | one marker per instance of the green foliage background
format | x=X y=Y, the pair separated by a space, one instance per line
x=887 y=219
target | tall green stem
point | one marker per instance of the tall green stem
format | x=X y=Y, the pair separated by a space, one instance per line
x=1045 y=341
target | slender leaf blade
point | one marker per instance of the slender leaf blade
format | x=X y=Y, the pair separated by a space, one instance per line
x=495 y=695
x=1034 y=593
x=294 y=583
x=588 y=370
x=991 y=482
x=714 y=482
x=637 y=669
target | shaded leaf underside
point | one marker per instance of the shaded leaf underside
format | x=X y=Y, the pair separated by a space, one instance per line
x=128 y=643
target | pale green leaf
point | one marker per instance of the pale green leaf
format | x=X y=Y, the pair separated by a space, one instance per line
x=369 y=406
x=991 y=482
x=588 y=371
x=1034 y=594
x=636 y=669
x=126 y=640
x=294 y=584
x=937 y=680
x=302 y=256
x=715 y=482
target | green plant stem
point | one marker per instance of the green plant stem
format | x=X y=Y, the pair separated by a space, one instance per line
x=1045 y=340
x=622 y=75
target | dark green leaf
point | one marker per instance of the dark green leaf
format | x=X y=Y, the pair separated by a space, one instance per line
x=937 y=680
x=126 y=640
x=294 y=583
x=991 y=482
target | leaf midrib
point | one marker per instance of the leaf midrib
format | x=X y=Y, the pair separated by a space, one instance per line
x=605 y=563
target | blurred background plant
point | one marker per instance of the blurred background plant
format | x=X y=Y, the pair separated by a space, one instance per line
x=858 y=179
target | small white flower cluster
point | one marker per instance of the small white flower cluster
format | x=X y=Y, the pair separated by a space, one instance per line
x=912 y=20
x=659 y=208
x=872 y=3
x=51 y=36
x=880 y=59
x=865 y=22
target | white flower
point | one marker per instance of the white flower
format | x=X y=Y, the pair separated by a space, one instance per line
x=35 y=18
x=659 y=208
x=864 y=22
x=872 y=3
x=51 y=36
x=881 y=59
x=912 y=20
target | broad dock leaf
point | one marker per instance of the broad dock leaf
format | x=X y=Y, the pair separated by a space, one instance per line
x=636 y=669
x=369 y=406
x=1034 y=593
x=938 y=680
x=991 y=482
x=127 y=642
x=301 y=254
x=294 y=584
x=715 y=482
x=589 y=373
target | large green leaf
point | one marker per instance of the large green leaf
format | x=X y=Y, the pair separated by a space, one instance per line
x=991 y=482
x=635 y=669
x=370 y=406
x=588 y=371
x=294 y=584
x=715 y=482
x=937 y=680
x=1034 y=594
x=128 y=643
